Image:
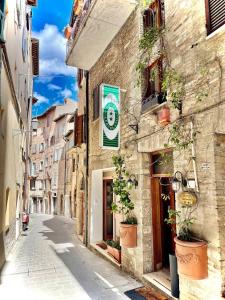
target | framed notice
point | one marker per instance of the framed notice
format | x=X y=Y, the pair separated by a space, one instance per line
x=109 y=117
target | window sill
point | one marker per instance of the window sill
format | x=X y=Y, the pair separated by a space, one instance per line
x=216 y=33
x=154 y=108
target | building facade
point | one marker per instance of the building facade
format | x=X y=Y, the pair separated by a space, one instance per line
x=166 y=57
x=17 y=71
x=48 y=159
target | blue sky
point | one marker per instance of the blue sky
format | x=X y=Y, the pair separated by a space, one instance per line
x=56 y=80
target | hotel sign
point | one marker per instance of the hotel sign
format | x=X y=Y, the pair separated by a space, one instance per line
x=109 y=117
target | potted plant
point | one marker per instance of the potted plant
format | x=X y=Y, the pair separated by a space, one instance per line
x=164 y=116
x=121 y=186
x=191 y=252
x=114 y=249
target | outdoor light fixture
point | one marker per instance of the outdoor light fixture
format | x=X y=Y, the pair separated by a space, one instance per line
x=132 y=181
x=178 y=181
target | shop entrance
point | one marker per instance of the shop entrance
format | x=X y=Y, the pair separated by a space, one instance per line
x=162 y=199
x=107 y=209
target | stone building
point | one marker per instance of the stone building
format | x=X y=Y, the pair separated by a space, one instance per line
x=48 y=159
x=16 y=97
x=185 y=57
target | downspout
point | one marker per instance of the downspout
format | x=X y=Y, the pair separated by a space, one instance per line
x=87 y=157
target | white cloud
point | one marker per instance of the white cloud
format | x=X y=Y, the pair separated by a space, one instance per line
x=53 y=87
x=52 y=54
x=41 y=99
x=66 y=93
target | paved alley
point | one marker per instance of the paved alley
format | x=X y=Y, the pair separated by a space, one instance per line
x=51 y=263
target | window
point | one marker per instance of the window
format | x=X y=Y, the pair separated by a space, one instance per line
x=41 y=167
x=33 y=149
x=79 y=130
x=154 y=15
x=41 y=147
x=52 y=141
x=215 y=14
x=46 y=162
x=33 y=169
x=33 y=184
x=96 y=103
x=2 y=19
x=74 y=162
x=152 y=85
x=40 y=184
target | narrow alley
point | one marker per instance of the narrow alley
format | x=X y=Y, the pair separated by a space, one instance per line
x=49 y=262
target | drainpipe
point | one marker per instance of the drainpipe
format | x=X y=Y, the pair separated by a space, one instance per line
x=87 y=157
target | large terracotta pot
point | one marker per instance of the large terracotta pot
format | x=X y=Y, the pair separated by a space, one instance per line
x=164 y=116
x=128 y=235
x=192 y=259
x=67 y=32
x=115 y=253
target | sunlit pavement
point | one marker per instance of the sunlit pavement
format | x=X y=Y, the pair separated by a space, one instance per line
x=50 y=262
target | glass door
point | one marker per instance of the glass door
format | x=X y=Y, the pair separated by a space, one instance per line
x=107 y=209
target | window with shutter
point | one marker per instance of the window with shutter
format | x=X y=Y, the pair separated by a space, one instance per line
x=96 y=102
x=79 y=130
x=152 y=85
x=2 y=19
x=154 y=15
x=215 y=14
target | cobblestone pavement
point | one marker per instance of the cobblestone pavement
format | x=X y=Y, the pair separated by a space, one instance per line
x=50 y=263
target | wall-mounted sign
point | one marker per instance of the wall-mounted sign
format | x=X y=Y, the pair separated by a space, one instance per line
x=187 y=198
x=109 y=117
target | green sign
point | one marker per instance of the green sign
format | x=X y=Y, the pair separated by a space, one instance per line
x=110 y=117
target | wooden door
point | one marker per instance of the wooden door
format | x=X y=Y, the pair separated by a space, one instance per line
x=162 y=199
x=107 y=209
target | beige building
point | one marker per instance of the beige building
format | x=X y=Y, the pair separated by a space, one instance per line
x=48 y=159
x=186 y=59
x=17 y=71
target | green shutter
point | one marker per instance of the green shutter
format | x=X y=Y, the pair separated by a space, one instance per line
x=2 y=19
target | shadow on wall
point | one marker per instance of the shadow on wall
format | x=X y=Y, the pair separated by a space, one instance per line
x=2 y=253
x=80 y=261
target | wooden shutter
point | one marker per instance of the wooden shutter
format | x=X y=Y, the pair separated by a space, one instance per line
x=215 y=14
x=79 y=130
x=96 y=102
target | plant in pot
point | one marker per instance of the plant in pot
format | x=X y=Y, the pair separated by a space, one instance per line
x=164 y=116
x=191 y=252
x=122 y=184
x=114 y=249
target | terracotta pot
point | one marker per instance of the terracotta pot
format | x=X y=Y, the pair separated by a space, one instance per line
x=164 y=116
x=67 y=32
x=115 y=253
x=192 y=259
x=128 y=235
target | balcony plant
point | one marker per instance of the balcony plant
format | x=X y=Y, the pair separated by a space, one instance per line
x=124 y=206
x=114 y=249
x=191 y=252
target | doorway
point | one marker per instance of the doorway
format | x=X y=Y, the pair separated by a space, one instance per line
x=163 y=198
x=107 y=209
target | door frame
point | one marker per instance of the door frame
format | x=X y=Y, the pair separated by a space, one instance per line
x=157 y=250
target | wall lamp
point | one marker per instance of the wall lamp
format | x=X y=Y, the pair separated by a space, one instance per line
x=178 y=181
x=132 y=181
